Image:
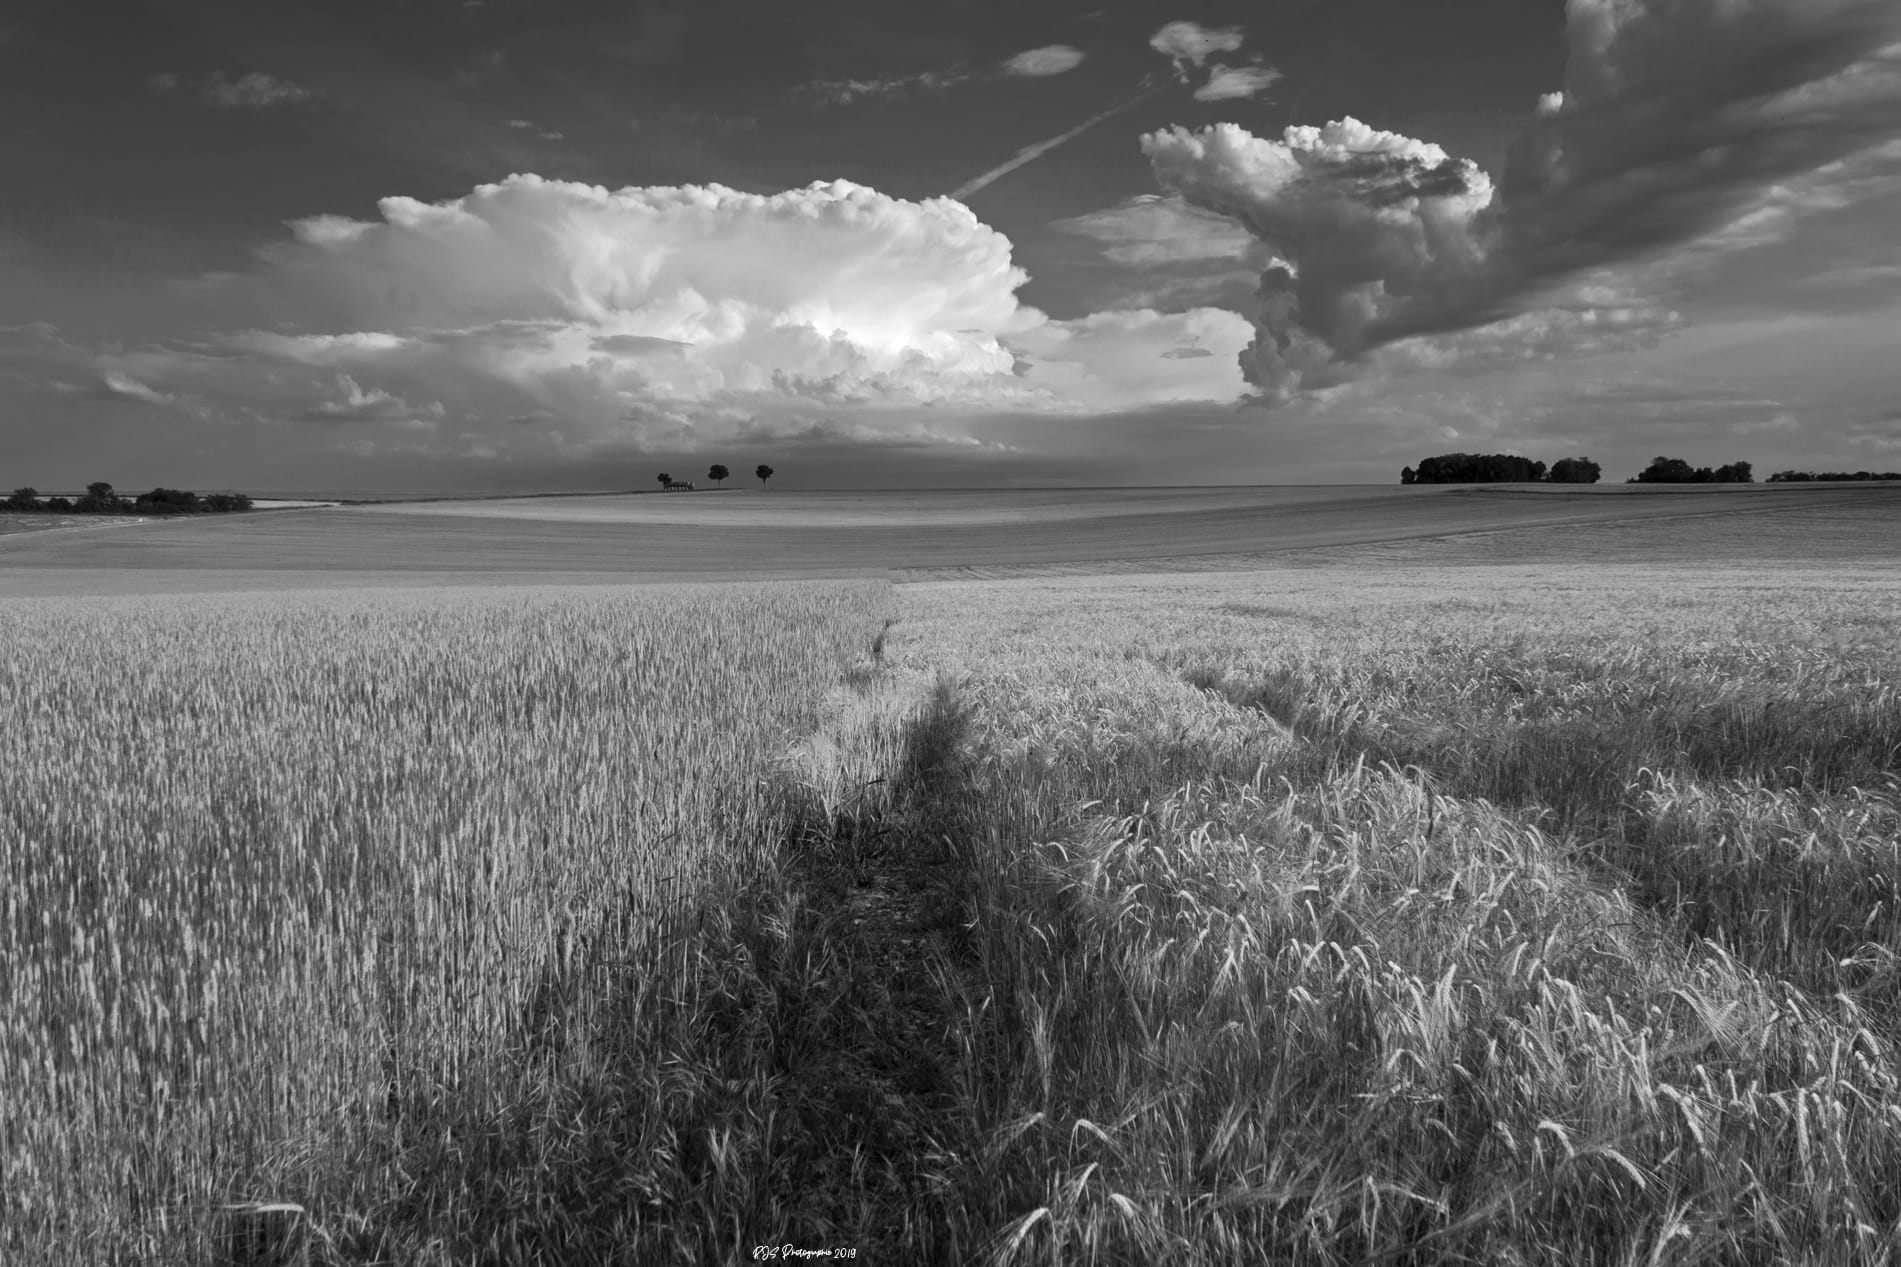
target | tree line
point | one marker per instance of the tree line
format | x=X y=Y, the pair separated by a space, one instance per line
x=1510 y=468
x=1677 y=471
x=718 y=474
x=1804 y=477
x=100 y=499
x=1499 y=468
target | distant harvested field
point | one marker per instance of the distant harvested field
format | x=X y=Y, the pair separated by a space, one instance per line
x=739 y=534
x=14 y=525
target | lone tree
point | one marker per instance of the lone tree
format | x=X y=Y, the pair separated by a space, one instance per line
x=665 y=479
x=763 y=471
x=718 y=474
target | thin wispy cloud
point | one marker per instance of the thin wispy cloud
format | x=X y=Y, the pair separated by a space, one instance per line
x=255 y=90
x=1030 y=153
x=841 y=92
x=116 y=384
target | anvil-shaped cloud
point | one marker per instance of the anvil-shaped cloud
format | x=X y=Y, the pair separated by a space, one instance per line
x=675 y=316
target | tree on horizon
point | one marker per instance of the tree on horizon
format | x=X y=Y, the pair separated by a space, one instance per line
x=764 y=473
x=718 y=474
x=665 y=479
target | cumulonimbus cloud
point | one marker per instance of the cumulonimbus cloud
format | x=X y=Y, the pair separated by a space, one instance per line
x=1675 y=120
x=669 y=316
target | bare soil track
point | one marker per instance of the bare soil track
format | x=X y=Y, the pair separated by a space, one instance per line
x=742 y=534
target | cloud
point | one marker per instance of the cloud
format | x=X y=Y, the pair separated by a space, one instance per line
x=1131 y=359
x=1228 y=82
x=841 y=92
x=1364 y=223
x=664 y=317
x=115 y=383
x=536 y=316
x=1030 y=153
x=1684 y=131
x=1190 y=44
x=1170 y=253
x=255 y=91
x=358 y=405
x=1051 y=59
x=1154 y=230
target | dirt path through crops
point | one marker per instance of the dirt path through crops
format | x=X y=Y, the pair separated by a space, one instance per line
x=886 y=889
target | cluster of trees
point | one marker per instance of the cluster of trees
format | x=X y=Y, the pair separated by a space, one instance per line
x=1677 y=471
x=101 y=500
x=719 y=475
x=1499 y=468
x=1804 y=477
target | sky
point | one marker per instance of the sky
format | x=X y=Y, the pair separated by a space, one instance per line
x=528 y=245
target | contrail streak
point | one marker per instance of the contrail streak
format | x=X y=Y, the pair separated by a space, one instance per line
x=1030 y=153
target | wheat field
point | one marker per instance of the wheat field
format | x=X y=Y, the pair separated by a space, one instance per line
x=1505 y=912
x=287 y=878
x=1477 y=914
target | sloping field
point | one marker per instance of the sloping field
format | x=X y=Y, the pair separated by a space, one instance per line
x=19 y=524
x=743 y=534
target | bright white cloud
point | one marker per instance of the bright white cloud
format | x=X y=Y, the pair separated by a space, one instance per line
x=1052 y=59
x=1226 y=83
x=1189 y=44
x=671 y=317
